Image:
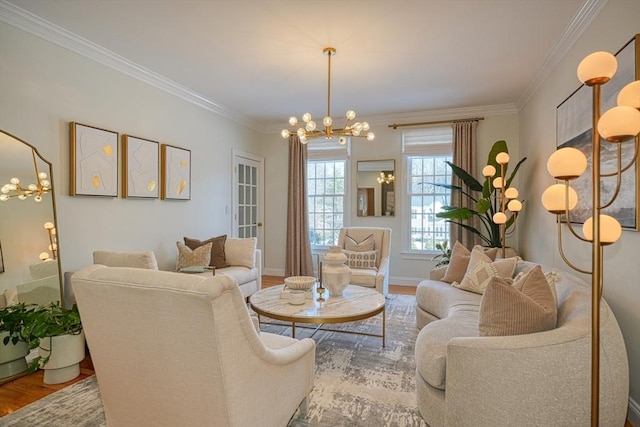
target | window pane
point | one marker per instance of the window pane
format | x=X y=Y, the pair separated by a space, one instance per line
x=326 y=198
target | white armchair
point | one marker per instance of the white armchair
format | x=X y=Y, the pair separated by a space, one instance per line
x=175 y=349
x=378 y=277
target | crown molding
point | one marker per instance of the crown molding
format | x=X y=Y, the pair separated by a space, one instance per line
x=587 y=13
x=32 y=24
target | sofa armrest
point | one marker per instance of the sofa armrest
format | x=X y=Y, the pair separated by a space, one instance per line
x=382 y=277
x=438 y=273
x=258 y=263
x=551 y=369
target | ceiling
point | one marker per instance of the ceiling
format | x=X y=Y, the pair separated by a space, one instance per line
x=261 y=61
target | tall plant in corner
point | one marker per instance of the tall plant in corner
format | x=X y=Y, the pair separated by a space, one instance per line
x=484 y=196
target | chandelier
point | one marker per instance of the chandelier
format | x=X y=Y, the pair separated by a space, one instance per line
x=386 y=179
x=310 y=129
x=16 y=189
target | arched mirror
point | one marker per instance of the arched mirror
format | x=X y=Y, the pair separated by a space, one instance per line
x=29 y=254
x=376 y=195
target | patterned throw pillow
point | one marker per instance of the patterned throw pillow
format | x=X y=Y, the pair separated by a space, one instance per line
x=481 y=270
x=365 y=260
x=218 y=256
x=524 y=307
x=190 y=258
x=365 y=245
x=460 y=258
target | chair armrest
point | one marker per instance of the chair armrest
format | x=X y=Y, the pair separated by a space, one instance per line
x=382 y=277
x=291 y=353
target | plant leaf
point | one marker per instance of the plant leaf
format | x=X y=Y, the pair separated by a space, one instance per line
x=469 y=181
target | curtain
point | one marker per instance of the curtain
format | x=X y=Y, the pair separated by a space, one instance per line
x=298 y=255
x=464 y=156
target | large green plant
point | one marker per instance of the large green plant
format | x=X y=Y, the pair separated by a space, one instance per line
x=483 y=195
x=49 y=320
x=13 y=319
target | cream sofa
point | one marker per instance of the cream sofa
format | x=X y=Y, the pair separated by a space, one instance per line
x=172 y=349
x=539 y=379
x=244 y=259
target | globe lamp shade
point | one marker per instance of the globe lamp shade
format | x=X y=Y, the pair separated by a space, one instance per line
x=554 y=198
x=619 y=123
x=597 y=68
x=630 y=95
x=567 y=163
x=499 y=218
x=488 y=171
x=610 y=229
x=514 y=205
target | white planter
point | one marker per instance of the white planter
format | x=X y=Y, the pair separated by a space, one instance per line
x=335 y=274
x=12 y=359
x=67 y=351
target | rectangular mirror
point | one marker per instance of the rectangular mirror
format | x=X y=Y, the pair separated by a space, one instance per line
x=376 y=194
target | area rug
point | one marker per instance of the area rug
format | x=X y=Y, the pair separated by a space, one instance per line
x=357 y=383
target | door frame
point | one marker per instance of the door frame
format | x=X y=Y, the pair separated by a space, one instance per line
x=237 y=156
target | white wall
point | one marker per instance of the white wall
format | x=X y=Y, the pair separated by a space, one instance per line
x=615 y=25
x=44 y=87
x=404 y=269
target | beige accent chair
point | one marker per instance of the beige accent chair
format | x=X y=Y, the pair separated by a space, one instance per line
x=175 y=349
x=367 y=277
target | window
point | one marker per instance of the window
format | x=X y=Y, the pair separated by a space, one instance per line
x=426 y=151
x=326 y=190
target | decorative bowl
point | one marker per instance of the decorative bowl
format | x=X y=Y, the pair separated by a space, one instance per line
x=300 y=282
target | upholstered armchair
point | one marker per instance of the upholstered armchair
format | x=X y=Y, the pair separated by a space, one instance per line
x=359 y=239
x=177 y=349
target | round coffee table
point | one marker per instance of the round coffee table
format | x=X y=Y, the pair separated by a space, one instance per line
x=356 y=303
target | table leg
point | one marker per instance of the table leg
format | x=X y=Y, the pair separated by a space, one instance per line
x=384 y=327
x=293 y=329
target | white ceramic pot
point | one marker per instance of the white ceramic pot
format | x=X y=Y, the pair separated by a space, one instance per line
x=12 y=359
x=335 y=274
x=67 y=351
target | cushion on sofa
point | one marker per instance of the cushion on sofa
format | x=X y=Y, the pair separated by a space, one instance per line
x=241 y=251
x=527 y=306
x=441 y=299
x=192 y=258
x=364 y=277
x=459 y=261
x=239 y=274
x=218 y=256
x=365 y=259
x=365 y=245
x=145 y=259
x=481 y=270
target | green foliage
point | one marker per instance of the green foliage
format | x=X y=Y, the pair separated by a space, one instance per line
x=483 y=197
x=13 y=319
x=445 y=255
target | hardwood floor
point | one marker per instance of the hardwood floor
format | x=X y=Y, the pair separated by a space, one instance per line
x=24 y=390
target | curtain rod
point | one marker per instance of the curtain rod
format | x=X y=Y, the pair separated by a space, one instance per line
x=437 y=122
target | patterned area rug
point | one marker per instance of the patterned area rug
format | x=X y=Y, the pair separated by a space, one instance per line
x=358 y=383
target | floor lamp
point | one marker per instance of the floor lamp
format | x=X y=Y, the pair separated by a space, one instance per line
x=618 y=125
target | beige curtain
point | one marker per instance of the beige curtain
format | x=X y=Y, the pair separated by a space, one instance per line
x=464 y=156
x=298 y=257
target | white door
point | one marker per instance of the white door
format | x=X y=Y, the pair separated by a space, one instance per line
x=247 y=196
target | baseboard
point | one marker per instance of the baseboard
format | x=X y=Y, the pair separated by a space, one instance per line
x=634 y=413
x=273 y=272
x=405 y=281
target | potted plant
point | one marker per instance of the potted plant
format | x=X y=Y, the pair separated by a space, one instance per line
x=57 y=334
x=444 y=257
x=484 y=196
x=13 y=345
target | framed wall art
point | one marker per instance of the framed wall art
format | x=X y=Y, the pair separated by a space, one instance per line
x=94 y=161
x=175 y=164
x=574 y=129
x=140 y=172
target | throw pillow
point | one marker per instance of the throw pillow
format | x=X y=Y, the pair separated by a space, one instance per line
x=481 y=270
x=218 y=256
x=365 y=260
x=188 y=258
x=365 y=245
x=525 y=307
x=241 y=251
x=459 y=261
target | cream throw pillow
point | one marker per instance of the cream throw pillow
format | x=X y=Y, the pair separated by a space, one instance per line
x=459 y=261
x=481 y=270
x=365 y=245
x=241 y=252
x=366 y=260
x=527 y=306
x=200 y=256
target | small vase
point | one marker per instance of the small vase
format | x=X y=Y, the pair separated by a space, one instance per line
x=335 y=274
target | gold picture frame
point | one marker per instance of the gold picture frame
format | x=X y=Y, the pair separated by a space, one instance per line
x=140 y=170
x=175 y=169
x=93 y=161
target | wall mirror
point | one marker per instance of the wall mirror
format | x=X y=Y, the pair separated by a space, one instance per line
x=29 y=255
x=376 y=183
